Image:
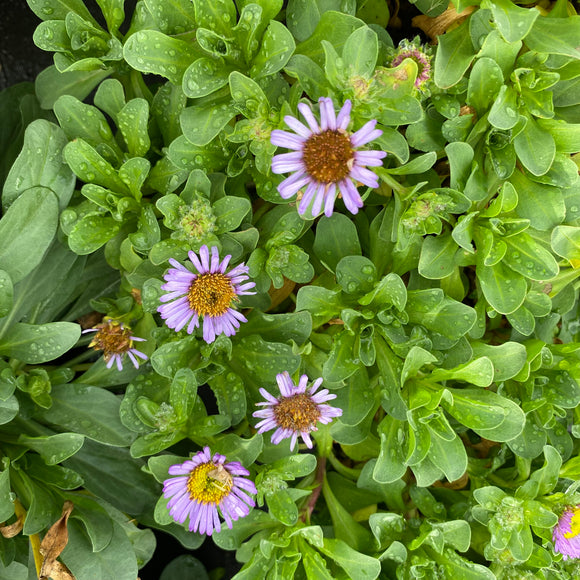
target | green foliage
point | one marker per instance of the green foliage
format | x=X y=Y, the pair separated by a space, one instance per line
x=443 y=315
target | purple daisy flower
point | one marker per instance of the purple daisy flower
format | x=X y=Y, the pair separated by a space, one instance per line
x=115 y=340
x=297 y=411
x=210 y=294
x=206 y=484
x=325 y=159
x=423 y=60
x=566 y=533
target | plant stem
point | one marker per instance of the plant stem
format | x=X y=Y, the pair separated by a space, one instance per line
x=319 y=478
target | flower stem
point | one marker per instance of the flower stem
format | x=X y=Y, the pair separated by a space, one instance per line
x=318 y=479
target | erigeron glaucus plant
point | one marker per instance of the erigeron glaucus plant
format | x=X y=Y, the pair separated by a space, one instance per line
x=247 y=200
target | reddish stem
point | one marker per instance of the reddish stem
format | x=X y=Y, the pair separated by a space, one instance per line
x=309 y=507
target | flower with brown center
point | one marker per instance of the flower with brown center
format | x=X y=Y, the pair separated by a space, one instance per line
x=209 y=294
x=115 y=340
x=205 y=484
x=325 y=158
x=297 y=411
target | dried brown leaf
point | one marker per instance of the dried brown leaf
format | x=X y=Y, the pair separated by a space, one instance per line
x=54 y=542
x=13 y=529
x=434 y=27
x=60 y=572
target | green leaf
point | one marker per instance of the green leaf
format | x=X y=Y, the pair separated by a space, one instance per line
x=91 y=232
x=390 y=464
x=228 y=389
x=183 y=393
x=205 y=76
x=90 y=411
x=356 y=274
x=526 y=256
x=355 y=564
x=513 y=22
x=249 y=98
x=229 y=212
x=239 y=449
x=504 y=111
x=56 y=448
x=132 y=121
x=85 y=121
x=6 y=504
x=323 y=304
x=336 y=238
x=172 y=16
x=40 y=163
x=294 y=466
x=360 y=52
x=202 y=123
x=117 y=560
x=112 y=474
x=419 y=164
x=437 y=258
x=504 y=289
x=449 y=456
x=218 y=15
x=6 y=293
x=542 y=204
x=356 y=399
x=295 y=326
x=566 y=243
x=454 y=56
x=262 y=360
x=480 y=409
x=555 y=36
x=91 y=167
x=478 y=371
x=26 y=231
x=282 y=507
x=440 y=314
x=345 y=526
x=58 y=9
x=310 y=75
x=35 y=344
x=341 y=363
x=333 y=27
x=507 y=358
x=110 y=97
x=51 y=84
x=315 y=566
x=276 y=49
x=414 y=361
x=150 y=51
x=485 y=82
x=537 y=160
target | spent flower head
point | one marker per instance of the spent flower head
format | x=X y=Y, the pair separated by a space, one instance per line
x=197 y=221
x=566 y=533
x=114 y=339
x=209 y=294
x=205 y=485
x=418 y=53
x=325 y=158
x=297 y=411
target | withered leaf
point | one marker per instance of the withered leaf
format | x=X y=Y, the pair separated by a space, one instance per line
x=54 y=543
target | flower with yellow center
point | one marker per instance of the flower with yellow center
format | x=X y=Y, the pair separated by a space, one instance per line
x=566 y=533
x=205 y=485
x=209 y=294
x=115 y=340
x=325 y=158
x=297 y=411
